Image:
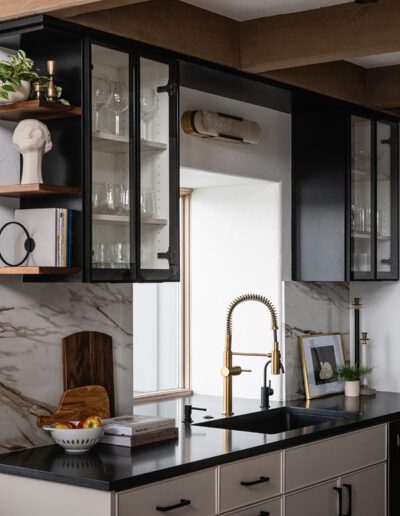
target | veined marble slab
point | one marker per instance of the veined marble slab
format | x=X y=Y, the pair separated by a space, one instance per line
x=312 y=308
x=33 y=320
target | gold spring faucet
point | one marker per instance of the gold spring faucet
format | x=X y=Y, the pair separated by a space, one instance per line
x=228 y=371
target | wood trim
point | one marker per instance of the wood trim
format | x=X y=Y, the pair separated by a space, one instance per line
x=319 y=35
x=161 y=395
x=17 y=9
x=98 y=5
x=173 y=25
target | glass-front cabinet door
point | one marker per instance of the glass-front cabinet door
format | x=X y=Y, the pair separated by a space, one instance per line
x=374 y=199
x=159 y=178
x=387 y=200
x=111 y=155
x=133 y=230
x=362 y=255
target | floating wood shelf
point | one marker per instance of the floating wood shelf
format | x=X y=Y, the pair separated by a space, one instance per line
x=34 y=270
x=38 y=109
x=38 y=190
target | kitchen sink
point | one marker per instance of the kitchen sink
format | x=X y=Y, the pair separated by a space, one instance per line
x=277 y=420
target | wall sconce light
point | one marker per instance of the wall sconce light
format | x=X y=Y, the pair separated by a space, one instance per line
x=220 y=126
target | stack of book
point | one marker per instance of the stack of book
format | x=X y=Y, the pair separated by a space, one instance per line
x=138 y=430
x=53 y=230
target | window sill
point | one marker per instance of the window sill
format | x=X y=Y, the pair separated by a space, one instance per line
x=161 y=395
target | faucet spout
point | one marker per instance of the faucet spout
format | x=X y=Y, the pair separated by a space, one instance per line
x=228 y=371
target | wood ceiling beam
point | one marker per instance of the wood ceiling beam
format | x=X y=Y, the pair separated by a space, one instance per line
x=383 y=87
x=320 y=35
x=339 y=79
x=91 y=7
x=173 y=25
x=10 y=9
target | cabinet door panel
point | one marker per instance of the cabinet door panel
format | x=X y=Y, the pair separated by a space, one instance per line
x=368 y=492
x=159 y=174
x=321 y=500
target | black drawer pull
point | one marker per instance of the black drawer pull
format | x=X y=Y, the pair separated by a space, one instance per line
x=263 y=513
x=182 y=503
x=350 y=495
x=261 y=480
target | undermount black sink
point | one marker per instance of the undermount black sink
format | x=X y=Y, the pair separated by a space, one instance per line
x=277 y=420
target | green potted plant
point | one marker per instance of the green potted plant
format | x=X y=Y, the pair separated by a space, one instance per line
x=17 y=74
x=350 y=376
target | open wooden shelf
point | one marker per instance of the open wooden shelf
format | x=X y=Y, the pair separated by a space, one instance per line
x=35 y=270
x=37 y=109
x=38 y=190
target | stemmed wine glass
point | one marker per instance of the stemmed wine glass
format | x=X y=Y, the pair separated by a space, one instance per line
x=148 y=107
x=101 y=91
x=118 y=103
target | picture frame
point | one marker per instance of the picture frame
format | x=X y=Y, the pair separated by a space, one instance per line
x=320 y=357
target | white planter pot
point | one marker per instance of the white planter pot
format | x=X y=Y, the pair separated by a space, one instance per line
x=352 y=389
x=20 y=94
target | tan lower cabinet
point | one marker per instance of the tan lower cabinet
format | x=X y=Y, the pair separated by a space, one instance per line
x=190 y=495
x=364 y=492
x=319 y=500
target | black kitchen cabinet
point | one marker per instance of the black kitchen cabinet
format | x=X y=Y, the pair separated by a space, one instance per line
x=345 y=165
x=119 y=151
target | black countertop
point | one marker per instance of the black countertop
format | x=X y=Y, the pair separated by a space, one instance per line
x=113 y=468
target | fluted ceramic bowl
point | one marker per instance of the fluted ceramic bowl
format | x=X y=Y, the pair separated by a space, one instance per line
x=76 y=440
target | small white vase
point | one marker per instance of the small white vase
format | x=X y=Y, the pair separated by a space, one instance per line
x=352 y=389
x=20 y=94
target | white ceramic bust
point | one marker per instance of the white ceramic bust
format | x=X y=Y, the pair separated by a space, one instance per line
x=32 y=139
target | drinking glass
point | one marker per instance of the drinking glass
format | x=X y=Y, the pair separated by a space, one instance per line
x=125 y=204
x=120 y=255
x=101 y=255
x=118 y=103
x=148 y=107
x=147 y=203
x=101 y=91
x=111 y=198
x=99 y=198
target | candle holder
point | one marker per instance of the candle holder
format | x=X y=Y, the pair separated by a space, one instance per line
x=357 y=305
x=365 y=389
x=51 y=88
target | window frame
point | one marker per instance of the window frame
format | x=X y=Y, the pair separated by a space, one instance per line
x=185 y=310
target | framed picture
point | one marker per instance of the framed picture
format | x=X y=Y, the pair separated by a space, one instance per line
x=320 y=356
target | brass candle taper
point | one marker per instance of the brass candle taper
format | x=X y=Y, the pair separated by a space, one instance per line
x=51 y=88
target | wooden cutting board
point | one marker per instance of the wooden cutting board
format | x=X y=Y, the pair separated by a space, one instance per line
x=88 y=360
x=76 y=404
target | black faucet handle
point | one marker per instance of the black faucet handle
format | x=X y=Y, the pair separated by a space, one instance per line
x=188 y=413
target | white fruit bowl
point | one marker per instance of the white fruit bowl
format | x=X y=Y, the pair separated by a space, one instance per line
x=76 y=440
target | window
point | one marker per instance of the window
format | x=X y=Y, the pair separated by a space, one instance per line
x=161 y=327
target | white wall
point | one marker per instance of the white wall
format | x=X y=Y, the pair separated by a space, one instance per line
x=236 y=249
x=379 y=317
x=269 y=160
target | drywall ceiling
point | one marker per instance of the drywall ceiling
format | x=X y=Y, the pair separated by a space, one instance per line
x=242 y=10
x=389 y=59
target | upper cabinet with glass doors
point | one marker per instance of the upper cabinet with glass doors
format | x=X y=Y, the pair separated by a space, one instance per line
x=345 y=169
x=374 y=199
x=134 y=201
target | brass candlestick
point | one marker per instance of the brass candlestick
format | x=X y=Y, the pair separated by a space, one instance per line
x=51 y=88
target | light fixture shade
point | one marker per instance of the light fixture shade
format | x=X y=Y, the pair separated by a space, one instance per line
x=220 y=126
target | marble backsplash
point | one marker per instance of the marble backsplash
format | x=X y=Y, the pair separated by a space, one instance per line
x=312 y=308
x=33 y=320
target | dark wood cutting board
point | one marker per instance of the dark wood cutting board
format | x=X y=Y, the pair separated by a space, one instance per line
x=88 y=360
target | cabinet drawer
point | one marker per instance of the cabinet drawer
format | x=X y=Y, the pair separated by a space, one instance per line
x=325 y=459
x=253 y=472
x=197 y=488
x=272 y=508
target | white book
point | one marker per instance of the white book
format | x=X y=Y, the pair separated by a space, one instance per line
x=136 y=424
x=41 y=225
